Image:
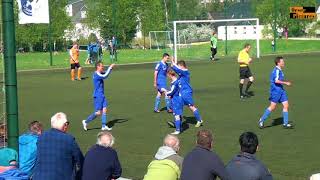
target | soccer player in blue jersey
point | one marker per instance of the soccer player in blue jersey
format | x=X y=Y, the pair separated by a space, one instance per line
x=186 y=90
x=277 y=94
x=176 y=99
x=99 y=99
x=160 y=82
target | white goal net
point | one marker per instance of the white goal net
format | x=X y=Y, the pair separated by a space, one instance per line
x=232 y=34
x=164 y=40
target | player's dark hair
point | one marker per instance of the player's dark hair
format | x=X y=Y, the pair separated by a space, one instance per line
x=246 y=45
x=165 y=55
x=204 y=138
x=35 y=127
x=277 y=59
x=98 y=64
x=171 y=73
x=182 y=63
x=249 y=142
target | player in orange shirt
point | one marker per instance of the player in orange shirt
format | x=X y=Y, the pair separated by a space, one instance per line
x=74 y=61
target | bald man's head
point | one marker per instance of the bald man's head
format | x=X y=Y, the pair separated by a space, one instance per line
x=172 y=141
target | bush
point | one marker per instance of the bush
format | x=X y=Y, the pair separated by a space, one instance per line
x=141 y=43
x=194 y=33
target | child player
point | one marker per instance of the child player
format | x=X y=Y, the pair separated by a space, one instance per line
x=186 y=90
x=176 y=100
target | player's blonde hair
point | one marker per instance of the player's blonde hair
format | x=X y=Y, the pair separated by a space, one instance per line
x=59 y=120
x=171 y=73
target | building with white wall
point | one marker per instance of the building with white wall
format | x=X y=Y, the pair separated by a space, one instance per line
x=240 y=32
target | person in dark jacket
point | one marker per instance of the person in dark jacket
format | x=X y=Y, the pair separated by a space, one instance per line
x=58 y=154
x=101 y=161
x=202 y=163
x=245 y=166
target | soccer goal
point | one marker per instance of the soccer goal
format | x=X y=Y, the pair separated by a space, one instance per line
x=164 y=40
x=232 y=34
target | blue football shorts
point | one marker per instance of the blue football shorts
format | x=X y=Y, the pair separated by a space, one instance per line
x=278 y=96
x=100 y=103
x=161 y=86
x=187 y=99
x=177 y=106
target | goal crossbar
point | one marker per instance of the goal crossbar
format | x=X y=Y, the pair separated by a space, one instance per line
x=213 y=21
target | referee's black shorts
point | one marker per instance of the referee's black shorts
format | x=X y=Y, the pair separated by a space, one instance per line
x=245 y=72
x=75 y=65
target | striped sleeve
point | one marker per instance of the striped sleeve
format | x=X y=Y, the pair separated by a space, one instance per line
x=106 y=74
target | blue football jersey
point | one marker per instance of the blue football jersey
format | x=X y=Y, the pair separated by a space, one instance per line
x=276 y=74
x=184 y=78
x=162 y=69
x=98 y=83
x=174 y=89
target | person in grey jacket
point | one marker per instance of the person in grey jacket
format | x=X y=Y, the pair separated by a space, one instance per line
x=244 y=165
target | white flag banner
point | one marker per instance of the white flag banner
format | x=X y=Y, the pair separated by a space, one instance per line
x=33 y=11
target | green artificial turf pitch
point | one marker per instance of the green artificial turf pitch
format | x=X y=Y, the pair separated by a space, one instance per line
x=289 y=154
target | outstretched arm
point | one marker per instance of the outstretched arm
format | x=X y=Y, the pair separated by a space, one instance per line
x=107 y=73
x=175 y=67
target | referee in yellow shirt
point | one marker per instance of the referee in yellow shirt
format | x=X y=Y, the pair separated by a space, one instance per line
x=244 y=60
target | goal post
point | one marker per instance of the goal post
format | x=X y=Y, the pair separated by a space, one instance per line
x=256 y=26
x=164 y=40
x=166 y=37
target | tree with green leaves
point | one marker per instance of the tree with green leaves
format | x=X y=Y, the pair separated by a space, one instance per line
x=151 y=16
x=114 y=17
x=188 y=9
x=32 y=35
x=269 y=10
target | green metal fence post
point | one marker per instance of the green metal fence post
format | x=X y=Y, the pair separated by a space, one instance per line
x=50 y=36
x=174 y=9
x=275 y=26
x=114 y=29
x=10 y=71
x=226 y=29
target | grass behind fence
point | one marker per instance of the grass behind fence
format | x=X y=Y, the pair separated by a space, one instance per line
x=195 y=52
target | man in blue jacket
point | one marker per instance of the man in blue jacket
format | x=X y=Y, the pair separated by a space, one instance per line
x=28 y=147
x=202 y=163
x=58 y=154
x=101 y=161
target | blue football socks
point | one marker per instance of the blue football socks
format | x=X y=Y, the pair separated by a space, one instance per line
x=178 y=124
x=157 y=104
x=91 y=117
x=197 y=115
x=285 y=117
x=266 y=114
x=168 y=103
x=104 y=119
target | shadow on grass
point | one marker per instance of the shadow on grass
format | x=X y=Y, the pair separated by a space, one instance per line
x=116 y=121
x=84 y=78
x=275 y=122
x=163 y=109
x=111 y=123
x=188 y=120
